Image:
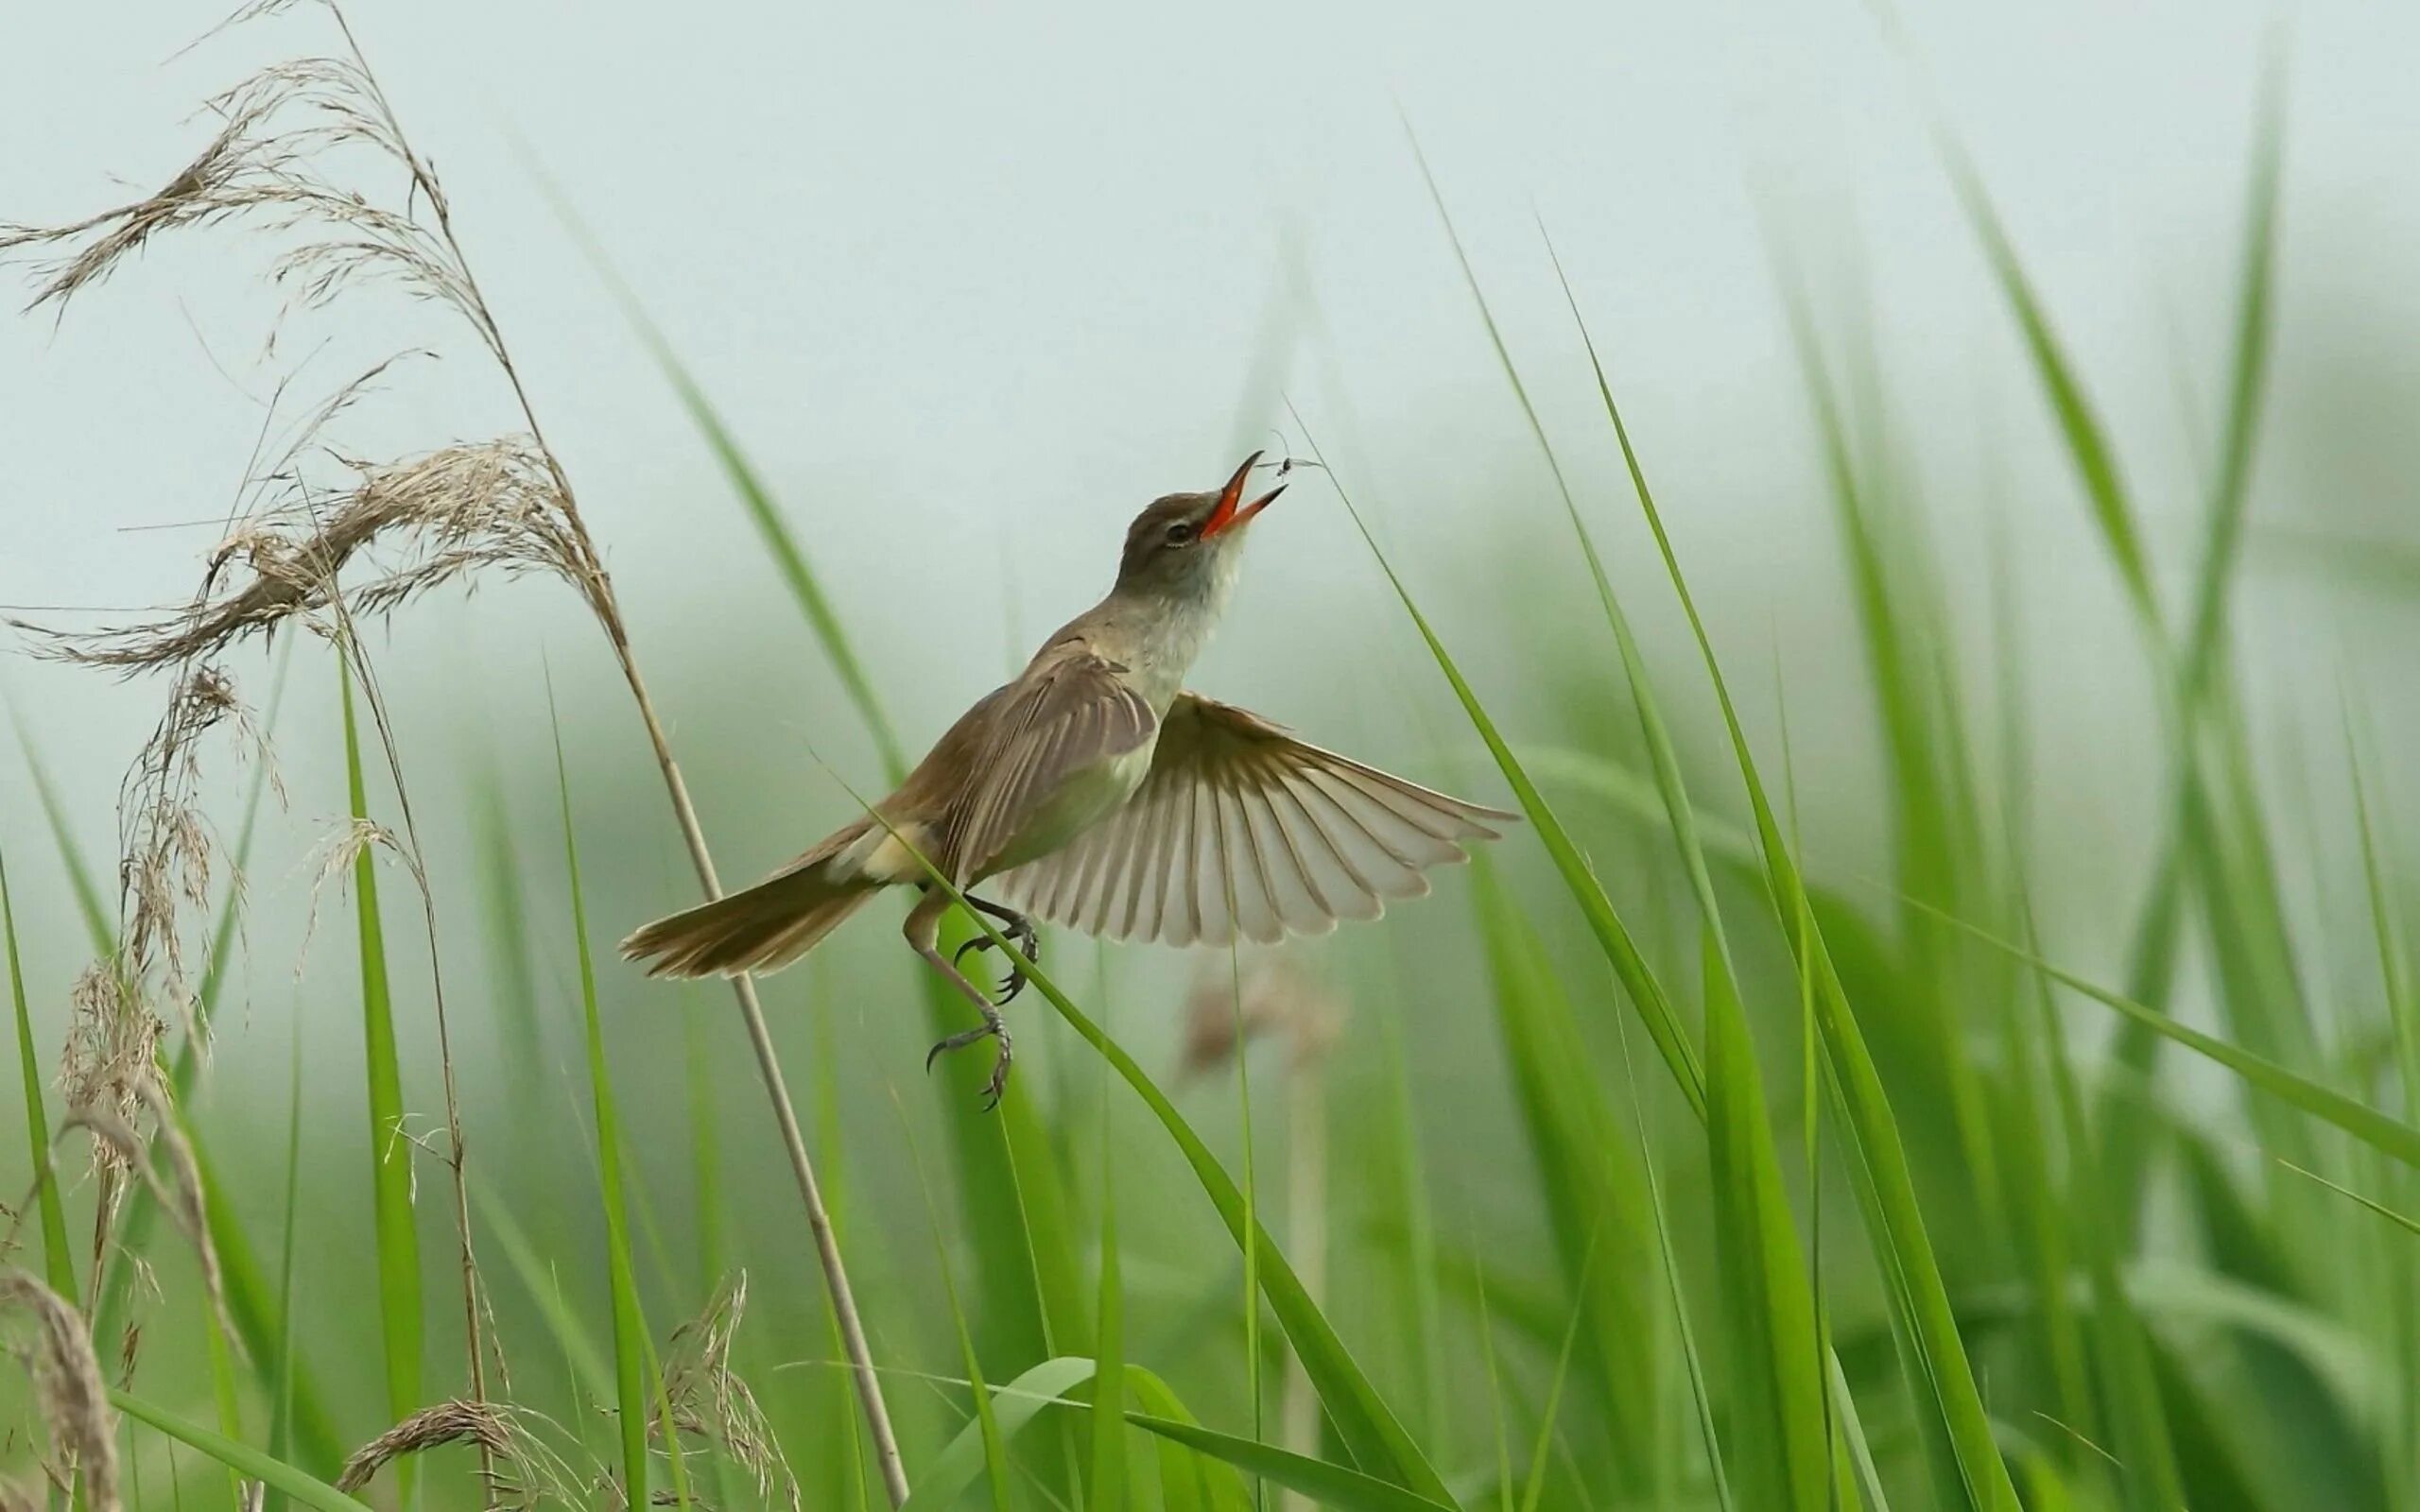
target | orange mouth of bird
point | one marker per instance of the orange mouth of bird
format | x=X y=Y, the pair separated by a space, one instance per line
x=1229 y=514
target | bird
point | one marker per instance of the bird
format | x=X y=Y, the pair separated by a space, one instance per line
x=1094 y=791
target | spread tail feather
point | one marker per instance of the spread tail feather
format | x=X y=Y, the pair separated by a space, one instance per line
x=761 y=928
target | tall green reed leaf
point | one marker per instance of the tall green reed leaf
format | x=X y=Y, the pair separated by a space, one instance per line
x=1594 y=1196
x=58 y=1261
x=632 y=1397
x=391 y=1144
x=1897 y=1231
x=241 y=1458
x=1369 y=1428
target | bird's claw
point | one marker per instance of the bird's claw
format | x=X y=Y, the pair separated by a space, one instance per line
x=991 y=1028
x=1028 y=941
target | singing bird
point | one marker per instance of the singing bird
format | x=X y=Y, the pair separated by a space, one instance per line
x=1095 y=792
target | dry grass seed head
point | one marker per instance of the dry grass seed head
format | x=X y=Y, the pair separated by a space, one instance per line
x=180 y=1194
x=709 y=1399
x=527 y=1470
x=67 y=1384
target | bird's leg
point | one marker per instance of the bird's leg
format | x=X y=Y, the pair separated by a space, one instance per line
x=923 y=933
x=1019 y=932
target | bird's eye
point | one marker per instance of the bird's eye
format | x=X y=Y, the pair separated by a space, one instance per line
x=1180 y=533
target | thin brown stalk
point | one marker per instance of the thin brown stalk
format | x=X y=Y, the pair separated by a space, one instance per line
x=504 y=505
x=693 y=834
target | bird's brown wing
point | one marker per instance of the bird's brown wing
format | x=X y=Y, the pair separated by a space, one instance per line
x=1049 y=726
x=1241 y=829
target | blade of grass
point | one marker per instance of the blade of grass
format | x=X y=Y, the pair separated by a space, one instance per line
x=58 y=1261
x=1370 y=1430
x=1015 y=1212
x=1591 y=1191
x=2150 y=1476
x=281 y=1396
x=1109 y=1492
x=90 y=905
x=631 y=1343
x=241 y=1458
x=1781 y=1439
x=2389 y=1136
x=1535 y=1486
x=390 y=1149
x=1662 y=1024
x=1900 y=1240
x=987 y=1425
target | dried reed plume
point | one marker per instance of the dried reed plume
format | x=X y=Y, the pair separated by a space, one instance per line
x=68 y=1386
x=708 y=1399
x=181 y=1192
x=520 y=1470
x=486 y=507
x=449 y=516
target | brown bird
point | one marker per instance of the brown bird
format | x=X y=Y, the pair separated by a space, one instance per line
x=1101 y=795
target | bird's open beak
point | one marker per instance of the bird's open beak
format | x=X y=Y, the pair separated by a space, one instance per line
x=1228 y=514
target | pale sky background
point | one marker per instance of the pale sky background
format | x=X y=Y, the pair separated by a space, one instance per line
x=973 y=282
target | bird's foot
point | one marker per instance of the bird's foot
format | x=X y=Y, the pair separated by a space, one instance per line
x=992 y=1028
x=1019 y=932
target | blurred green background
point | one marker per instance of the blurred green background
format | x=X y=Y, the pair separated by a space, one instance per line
x=969 y=288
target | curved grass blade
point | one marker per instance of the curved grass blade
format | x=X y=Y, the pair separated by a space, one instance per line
x=1589 y=1185
x=1896 y=1224
x=1369 y=1428
x=1015 y=1212
x=1108 y=1486
x=2388 y=1136
x=58 y=1261
x=1328 y=1484
x=1654 y=1009
x=2088 y=443
x=390 y=1150
x=242 y=1458
x=631 y=1343
x=89 y=904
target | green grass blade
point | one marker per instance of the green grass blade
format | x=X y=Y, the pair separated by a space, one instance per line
x=281 y=1389
x=584 y=1358
x=1328 y=1484
x=1898 y=1235
x=242 y=1458
x=2388 y=1136
x=58 y=1261
x=2087 y=441
x=390 y=1150
x=1369 y=1428
x=100 y=925
x=2152 y=1480
x=1662 y=1024
x=1533 y=1488
x=999 y=1419
x=631 y=1344
x=1592 y=1192
x=1109 y=1492
x=1008 y=1189
x=1781 y=1439
x=2230 y=489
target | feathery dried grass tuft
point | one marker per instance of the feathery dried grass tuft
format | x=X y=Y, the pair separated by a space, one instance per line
x=266 y=167
x=527 y=1472
x=67 y=1385
x=709 y=1399
x=180 y=1193
x=427 y=521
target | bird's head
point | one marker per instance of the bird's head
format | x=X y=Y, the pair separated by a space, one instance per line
x=1187 y=546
